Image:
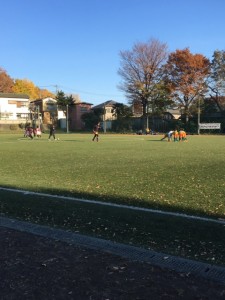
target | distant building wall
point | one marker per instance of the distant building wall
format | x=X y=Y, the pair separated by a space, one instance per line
x=75 y=113
x=14 y=106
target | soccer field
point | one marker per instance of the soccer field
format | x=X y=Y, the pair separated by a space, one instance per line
x=184 y=177
x=135 y=170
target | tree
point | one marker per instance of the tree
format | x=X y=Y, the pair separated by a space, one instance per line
x=185 y=74
x=123 y=115
x=24 y=86
x=216 y=80
x=92 y=118
x=141 y=71
x=161 y=98
x=76 y=98
x=21 y=86
x=63 y=101
x=121 y=111
x=6 y=82
x=43 y=93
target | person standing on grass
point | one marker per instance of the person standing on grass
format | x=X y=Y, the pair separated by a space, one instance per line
x=52 y=132
x=95 y=131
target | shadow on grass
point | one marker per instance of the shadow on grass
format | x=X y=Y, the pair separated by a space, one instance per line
x=154 y=141
x=73 y=141
x=45 y=139
x=197 y=211
x=188 y=238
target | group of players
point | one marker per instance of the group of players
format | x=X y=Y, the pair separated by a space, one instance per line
x=36 y=132
x=32 y=132
x=176 y=136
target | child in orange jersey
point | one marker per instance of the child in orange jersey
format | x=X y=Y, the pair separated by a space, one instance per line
x=184 y=137
x=181 y=134
x=175 y=136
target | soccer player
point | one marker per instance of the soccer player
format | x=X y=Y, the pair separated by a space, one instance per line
x=95 y=131
x=182 y=135
x=52 y=132
x=168 y=135
x=175 y=136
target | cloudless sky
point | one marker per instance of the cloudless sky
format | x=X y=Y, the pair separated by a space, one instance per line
x=74 y=45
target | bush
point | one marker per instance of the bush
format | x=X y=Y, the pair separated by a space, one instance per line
x=21 y=125
x=14 y=127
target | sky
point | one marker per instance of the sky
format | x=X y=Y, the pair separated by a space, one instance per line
x=74 y=45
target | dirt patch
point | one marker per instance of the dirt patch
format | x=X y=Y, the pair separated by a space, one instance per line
x=34 y=267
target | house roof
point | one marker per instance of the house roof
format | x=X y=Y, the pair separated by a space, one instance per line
x=14 y=95
x=76 y=103
x=173 y=111
x=83 y=103
x=42 y=99
x=107 y=103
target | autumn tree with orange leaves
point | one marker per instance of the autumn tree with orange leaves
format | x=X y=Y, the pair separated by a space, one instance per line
x=185 y=74
x=6 y=82
x=44 y=93
x=21 y=86
x=25 y=86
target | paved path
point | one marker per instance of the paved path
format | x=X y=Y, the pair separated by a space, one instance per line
x=177 y=264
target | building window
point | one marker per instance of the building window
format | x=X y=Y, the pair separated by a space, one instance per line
x=21 y=104
x=5 y=115
x=12 y=102
x=83 y=109
x=18 y=103
x=22 y=116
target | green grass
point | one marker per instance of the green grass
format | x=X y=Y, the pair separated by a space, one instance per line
x=137 y=170
x=127 y=169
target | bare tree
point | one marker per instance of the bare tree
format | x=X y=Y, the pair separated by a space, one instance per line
x=216 y=80
x=141 y=71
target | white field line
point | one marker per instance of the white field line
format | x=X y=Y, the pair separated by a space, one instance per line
x=156 y=211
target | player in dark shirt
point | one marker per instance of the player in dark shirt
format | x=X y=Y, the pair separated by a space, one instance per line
x=95 y=131
x=52 y=132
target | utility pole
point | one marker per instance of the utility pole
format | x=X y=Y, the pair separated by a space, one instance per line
x=39 y=125
x=56 y=88
x=67 y=118
x=104 y=119
x=199 y=116
x=146 y=115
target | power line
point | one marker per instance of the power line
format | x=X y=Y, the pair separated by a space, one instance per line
x=81 y=91
x=91 y=93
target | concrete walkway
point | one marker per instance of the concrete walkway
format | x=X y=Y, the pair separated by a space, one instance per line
x=180 y=265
